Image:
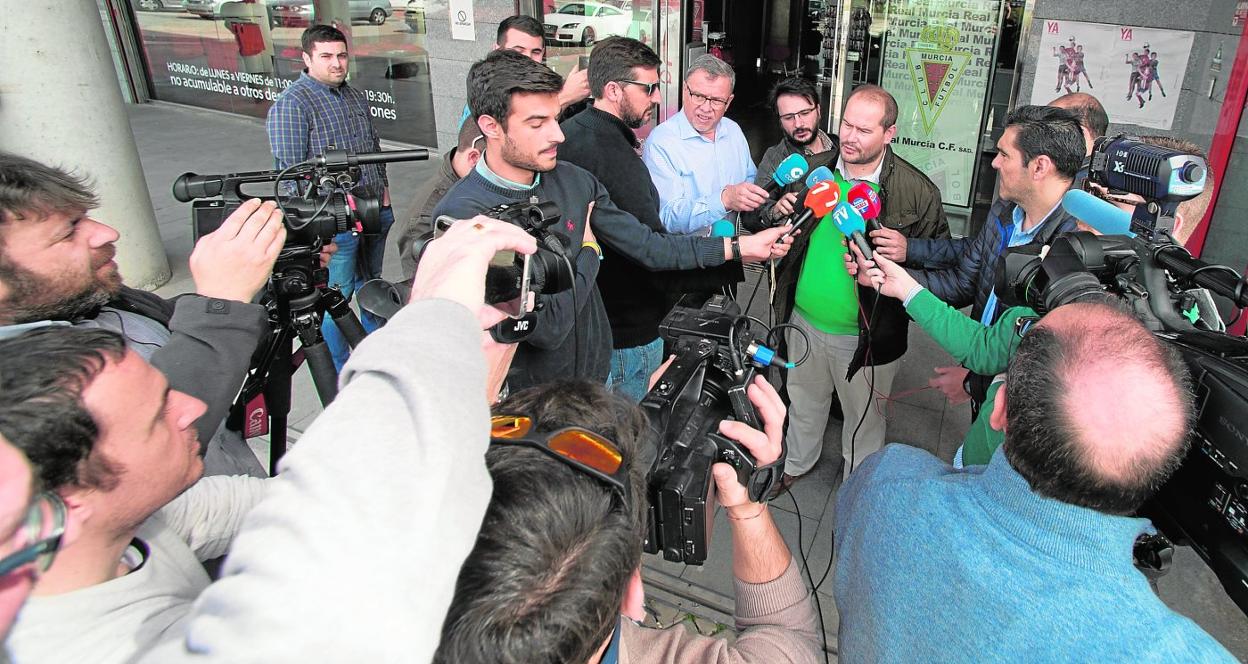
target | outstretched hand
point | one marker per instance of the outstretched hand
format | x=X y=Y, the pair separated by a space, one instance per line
x=453 y=266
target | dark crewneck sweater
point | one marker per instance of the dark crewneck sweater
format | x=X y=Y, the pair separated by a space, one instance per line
x=549 y=352
x=636 y=298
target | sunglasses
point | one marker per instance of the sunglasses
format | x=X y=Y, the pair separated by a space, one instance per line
x=580 y=448
x=648 y=87
x=45 y=524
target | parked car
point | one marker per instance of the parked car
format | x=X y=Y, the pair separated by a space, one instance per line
x=298 y=13
x=585 y=22
x=158 y=5
x=208 y=9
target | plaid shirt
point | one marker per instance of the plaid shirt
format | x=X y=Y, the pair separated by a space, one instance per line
x=311 y=117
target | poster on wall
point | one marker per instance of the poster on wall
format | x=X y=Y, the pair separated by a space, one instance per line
x=1135 y=72
x=938 y=58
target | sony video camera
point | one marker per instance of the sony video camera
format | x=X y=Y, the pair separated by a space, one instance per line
x=326 y=209
x=1205 y=503
x=716 y=359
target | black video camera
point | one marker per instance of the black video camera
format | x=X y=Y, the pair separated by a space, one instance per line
x=706 y=383
x=312 y=220
x=547 y=270
x=512 y=277
x=1205 y=503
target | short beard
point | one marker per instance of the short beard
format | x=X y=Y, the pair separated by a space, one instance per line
x=28 y=299
x=864 y=158
x=513 y=156
x=630 y=117
x=814 y=136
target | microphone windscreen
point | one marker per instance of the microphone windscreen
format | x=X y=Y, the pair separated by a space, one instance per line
x=818 y=175
x=864 y=199
x=822 y=197
x=1105 y=217
x=723 y=228
x=790 y=170
x=847 y=219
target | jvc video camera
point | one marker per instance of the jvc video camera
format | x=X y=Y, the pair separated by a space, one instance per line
x=704 y=385
x=511 y=277
x=326 y=209
x=1205 y=503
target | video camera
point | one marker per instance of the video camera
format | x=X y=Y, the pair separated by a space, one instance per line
x=312 y=220
x=509 y=277
x=716 y=359
x=1205 y=503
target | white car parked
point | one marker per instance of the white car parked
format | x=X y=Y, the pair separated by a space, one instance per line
x=585 y=22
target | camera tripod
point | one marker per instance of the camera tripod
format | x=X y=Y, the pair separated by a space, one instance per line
x=297 y=305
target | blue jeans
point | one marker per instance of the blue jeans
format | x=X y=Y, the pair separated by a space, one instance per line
x=631 y=369
x=348 y=270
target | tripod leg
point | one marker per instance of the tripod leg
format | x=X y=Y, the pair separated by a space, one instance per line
x=277 y=398
x=343 y=316
x=320 y=361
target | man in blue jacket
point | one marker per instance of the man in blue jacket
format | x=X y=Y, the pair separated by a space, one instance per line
x=1038 y=155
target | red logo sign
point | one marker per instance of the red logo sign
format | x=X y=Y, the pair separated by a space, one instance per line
x=1052 y=27
x=1126 y=34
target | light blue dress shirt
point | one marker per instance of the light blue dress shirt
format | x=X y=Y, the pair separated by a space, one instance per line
x=690 y=171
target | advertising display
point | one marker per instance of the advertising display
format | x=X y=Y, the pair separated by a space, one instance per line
x=1135 y=72
x=239 y=56
x=938 y=60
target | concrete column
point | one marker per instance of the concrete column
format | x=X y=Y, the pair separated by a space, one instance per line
x=60 y=104
x=450 y=59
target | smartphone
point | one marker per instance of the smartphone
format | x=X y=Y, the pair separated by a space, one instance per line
x=583 y=62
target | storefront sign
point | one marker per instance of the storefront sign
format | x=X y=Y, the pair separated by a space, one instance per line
x=463 y=23
x=938 y=57
x=1137 y=72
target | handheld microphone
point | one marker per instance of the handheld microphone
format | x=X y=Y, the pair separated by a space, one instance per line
x=819 y=175
x=811 y=182
x=819 y=200
x=789 y=171
x=865 y=200
x=723 y=228
x=850 y=222
x=1105 y=217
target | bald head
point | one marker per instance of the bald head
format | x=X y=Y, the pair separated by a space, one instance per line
x=1098 y=409
x=1089 y=111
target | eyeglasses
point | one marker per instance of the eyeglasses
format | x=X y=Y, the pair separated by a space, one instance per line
x=45 y=524
x=789 y=117
x=650 y=88
x=580 y=448
x=699 y=99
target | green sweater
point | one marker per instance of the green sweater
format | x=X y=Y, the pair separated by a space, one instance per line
x=983 y=350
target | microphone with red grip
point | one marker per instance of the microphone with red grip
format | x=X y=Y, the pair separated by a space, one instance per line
x=819 y=200
x=850 y=222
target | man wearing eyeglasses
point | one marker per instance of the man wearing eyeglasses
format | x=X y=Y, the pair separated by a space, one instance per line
x=796 y=101
x=32 y=528
x=624 y=75
x=555 y=575
x=698 y=159
x=105 y=432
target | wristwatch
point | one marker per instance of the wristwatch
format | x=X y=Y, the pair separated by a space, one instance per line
x=736 y=247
